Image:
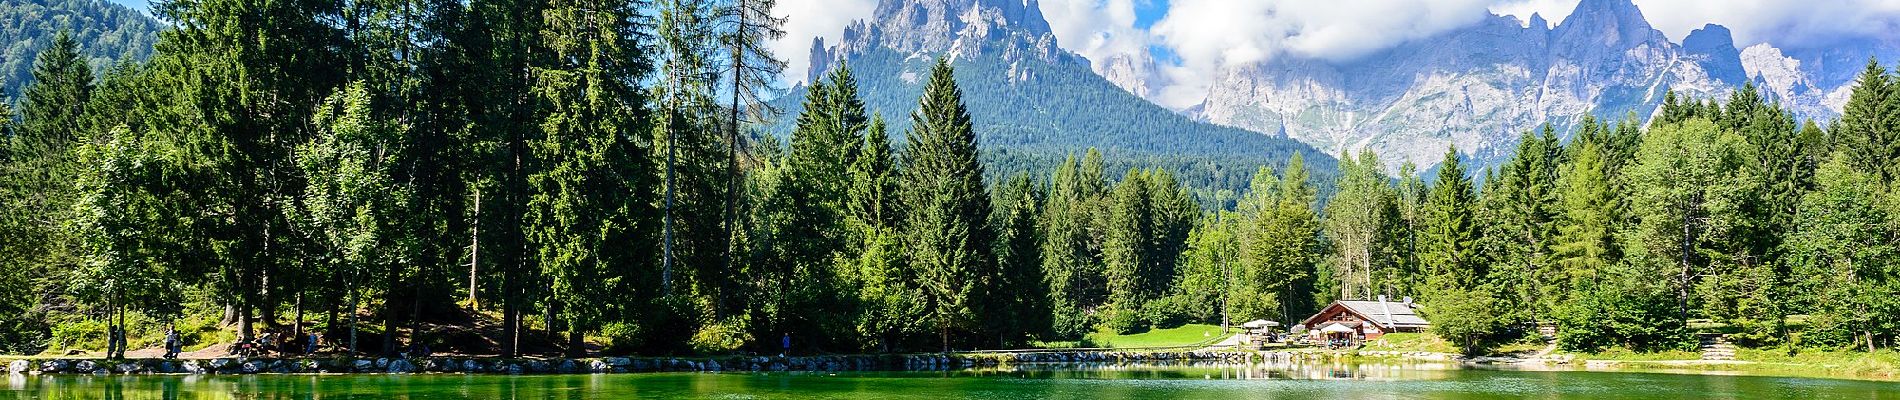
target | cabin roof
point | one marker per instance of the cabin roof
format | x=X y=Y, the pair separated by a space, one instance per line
x=1385 y=314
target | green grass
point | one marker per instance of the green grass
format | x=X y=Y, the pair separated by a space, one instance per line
x=1185 y=335
x=1622 y=354
x=1410 y=342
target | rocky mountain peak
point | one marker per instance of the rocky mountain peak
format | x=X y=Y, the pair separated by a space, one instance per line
x=1615 y=24
x=1716 y=47
x=1012 y=29
x=1538 y=22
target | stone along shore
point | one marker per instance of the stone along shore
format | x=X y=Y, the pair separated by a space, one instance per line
x=480 y=365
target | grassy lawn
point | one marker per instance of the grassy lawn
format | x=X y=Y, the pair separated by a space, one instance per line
x=1185 y=335
x=1410 y=342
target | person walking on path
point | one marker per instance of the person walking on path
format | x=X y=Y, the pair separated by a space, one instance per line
x=785 y=342
x=172 y=343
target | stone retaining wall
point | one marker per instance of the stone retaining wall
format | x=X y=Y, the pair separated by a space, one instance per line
x=908 y=362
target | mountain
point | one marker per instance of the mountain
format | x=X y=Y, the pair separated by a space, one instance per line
x=107 y=34
x=1033 y=102
x=1478 y=87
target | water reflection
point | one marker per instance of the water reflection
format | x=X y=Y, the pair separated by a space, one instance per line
x=1262 y=369
x=1270 y=378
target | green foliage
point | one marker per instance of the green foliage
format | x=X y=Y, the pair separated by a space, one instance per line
x=111 y=34
x=1362 y=219
x=947 y=231
x=1621 y=310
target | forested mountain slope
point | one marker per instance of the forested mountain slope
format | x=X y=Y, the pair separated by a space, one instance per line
x=107 y=33
x=1034 y=103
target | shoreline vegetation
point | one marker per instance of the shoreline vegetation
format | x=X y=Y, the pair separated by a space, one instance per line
x=465 y=177
x=1878 y=366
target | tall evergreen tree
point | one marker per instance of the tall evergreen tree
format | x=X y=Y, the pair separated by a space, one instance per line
x=1869 y=129
x=590 y=219
x=947 y=228
x=1071 y=246
x=1449 y=245
x=1017 y=299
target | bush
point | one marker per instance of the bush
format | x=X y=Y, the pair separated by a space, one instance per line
x=1123 y=321
x=1168 y=311
x=622 y=338
x=1073 y=324
x=1622 y=313
x=1468 y=318
x=721 y=337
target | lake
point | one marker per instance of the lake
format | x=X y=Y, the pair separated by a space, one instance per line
x=1099 y=382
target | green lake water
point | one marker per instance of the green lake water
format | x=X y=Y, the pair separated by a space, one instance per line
x=1324 y=381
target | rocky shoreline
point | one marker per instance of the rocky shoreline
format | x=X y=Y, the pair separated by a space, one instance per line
x=490 y=365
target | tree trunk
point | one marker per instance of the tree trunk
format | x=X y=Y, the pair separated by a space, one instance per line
x=475 y=252
x=352 y=311
x=297 y=326
x=576 y=346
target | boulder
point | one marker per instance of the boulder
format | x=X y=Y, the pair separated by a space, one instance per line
x=362 y=365
x=17 y=367
x=471 y=366
x=382 y=363
x=53 y=366
x=618 y=361
x=512 y=369
x=401 y=366
x=85 y=366
x=128 y=367
x=219 y=364
x=567 y=367
x=193 y=367
x=254 y=366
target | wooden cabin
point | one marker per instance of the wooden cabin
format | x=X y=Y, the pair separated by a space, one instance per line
x=1364 y=319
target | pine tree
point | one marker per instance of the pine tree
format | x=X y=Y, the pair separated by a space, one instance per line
x=283 y=69
x=1071 y=247
x=1587 y=221
x=1869 y=128
x=886 y=291
x=947 y=228
x=590 y=214
x=754 y=69
x=1449 y=245
x=1017 y=298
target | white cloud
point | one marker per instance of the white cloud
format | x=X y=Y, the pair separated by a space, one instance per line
x=1096 y=29
x=1782 y=22
x=808 y=19
x=1209 y=35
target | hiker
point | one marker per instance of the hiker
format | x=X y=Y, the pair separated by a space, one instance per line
x=786 y=343
x=266 y=343
x=172 y=343
x=310 y=343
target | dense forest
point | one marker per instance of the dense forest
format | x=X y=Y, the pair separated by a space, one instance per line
x=111 y=34
x=524 y=176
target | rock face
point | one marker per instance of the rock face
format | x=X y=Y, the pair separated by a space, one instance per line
x=1012 y=29
x=1480 y=86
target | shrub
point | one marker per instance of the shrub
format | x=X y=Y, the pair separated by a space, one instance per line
x=721 y=337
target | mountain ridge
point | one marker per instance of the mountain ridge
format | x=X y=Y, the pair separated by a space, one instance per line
x=1033 y=102
x=1479 y=86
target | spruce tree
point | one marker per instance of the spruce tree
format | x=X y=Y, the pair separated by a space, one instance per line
x=947 y=228
x=1869 y=128
x=1017 y=299
x=1449 y=245
x=590 y=217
